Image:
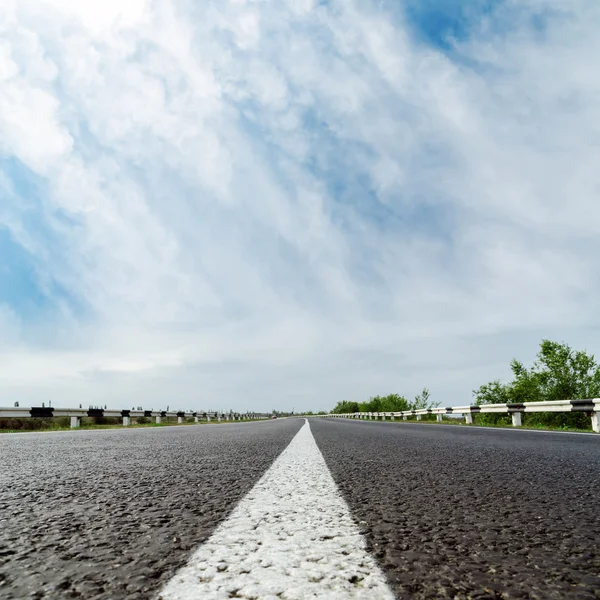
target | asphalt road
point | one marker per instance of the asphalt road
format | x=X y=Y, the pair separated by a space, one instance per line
x=456 y=512
x=114 y=513
x=447 y=512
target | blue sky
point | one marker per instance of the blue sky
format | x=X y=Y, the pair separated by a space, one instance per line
x=252 y=205
x=441 y=23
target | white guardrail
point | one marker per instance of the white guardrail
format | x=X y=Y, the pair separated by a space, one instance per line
x=590 y=407
x=76 y=414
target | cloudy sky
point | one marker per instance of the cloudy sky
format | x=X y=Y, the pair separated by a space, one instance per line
x=275 y=204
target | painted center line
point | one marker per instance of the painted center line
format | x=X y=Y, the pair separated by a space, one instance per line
x=291 y=537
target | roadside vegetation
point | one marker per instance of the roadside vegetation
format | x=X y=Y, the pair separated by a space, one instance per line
x=557 y=373
x=389 y=403
x=15 y=425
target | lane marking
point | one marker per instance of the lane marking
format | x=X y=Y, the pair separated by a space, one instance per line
x=290 y=538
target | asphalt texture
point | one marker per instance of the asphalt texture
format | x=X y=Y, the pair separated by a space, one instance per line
x=114 y=513
x=457 y=512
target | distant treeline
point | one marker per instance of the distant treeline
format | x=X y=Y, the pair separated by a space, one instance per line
x=389 y=403
x=557 y=373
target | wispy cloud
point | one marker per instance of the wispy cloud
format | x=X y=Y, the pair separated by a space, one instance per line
x=248 y=205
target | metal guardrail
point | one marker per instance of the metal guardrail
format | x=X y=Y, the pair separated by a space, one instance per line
x=591 y=407
x=76 y=414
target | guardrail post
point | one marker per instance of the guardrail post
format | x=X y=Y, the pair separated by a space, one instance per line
x=439 y=417
x=196 y=419
x=179 y=419
x=75 y=422
x=219 y=417
x=208 y=418
x=595 y=422
x=126 y=421
x=515 y=409
x=158 y=419
x=405 y=417
x=469 y=418
x=418 y=417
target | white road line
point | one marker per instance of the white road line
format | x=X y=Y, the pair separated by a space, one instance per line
x=291 y=537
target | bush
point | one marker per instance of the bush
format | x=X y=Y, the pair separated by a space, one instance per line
x=558 y=373
x=29 y=424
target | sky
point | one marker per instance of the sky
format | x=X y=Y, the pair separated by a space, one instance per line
x=256 y=205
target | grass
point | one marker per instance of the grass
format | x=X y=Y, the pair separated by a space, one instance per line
x=88 y=426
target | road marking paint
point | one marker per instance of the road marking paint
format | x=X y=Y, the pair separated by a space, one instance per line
x=291 y=537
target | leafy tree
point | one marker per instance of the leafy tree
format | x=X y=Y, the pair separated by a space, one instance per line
x=371 y=405
x=493 y=392
x=422 y=401
x=394 y=403
x=345 y=407
x=389 y=403
x=564 y=373
x=558 y=373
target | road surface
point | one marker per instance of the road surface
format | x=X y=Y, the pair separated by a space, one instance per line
x=280 y=509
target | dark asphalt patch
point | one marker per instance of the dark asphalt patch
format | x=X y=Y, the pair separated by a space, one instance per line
x=114 y=513
x=469 y=513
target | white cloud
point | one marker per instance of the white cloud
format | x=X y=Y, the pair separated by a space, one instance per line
x=264 y=204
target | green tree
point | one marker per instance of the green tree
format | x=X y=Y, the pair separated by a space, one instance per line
x=422 y=400
x=389 y=403
x=394 y=403
x=558 y=373
x=493 y=392
x=344 y=407
x=374 y=404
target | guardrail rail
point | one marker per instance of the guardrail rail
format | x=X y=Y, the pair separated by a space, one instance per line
x=76 y=414
x=591 y=407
